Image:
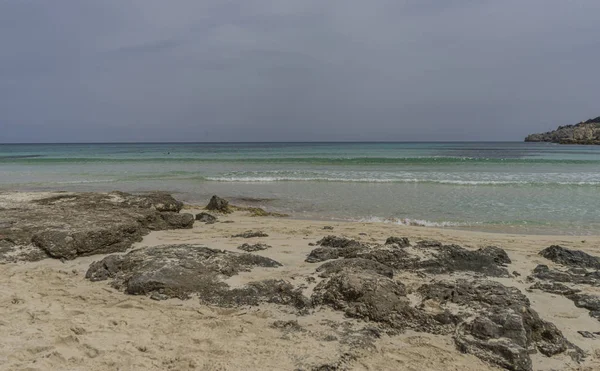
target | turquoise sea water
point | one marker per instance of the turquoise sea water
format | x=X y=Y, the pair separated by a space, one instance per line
x=504 y=187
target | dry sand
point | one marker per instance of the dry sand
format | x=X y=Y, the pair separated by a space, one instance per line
x=51 y=318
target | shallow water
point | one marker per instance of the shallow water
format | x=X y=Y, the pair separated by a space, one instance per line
x=503 y=187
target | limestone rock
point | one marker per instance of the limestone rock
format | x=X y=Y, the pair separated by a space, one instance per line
x=219 y=204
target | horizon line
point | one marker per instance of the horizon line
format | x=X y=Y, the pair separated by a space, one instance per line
x=275 y=142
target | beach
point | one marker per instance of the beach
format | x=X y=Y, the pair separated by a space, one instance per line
x=52 y=317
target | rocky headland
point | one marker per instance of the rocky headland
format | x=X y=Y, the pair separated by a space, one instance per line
x=586 y=132
x=116 y=280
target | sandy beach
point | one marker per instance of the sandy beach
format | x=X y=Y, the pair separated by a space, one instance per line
x=52 y=318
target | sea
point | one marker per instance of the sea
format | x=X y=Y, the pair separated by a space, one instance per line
x=507 y=187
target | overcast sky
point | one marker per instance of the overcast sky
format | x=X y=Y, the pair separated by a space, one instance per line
x=294 y=70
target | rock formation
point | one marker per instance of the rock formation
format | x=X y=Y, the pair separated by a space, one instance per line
x=586 y=132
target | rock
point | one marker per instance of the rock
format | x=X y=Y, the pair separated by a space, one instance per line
x=391 y=257
x=355 y=264
x=333 y=247
x=586 y=132
x=554 y=288
x=499 y=255
x=206 y=218
x=250 y=234
x=574 y=275
x=368 y=296
x=571 y=258
x=68 y=225
x=252 y=248
x=453 y=258
x=480 y=292
x=328 y=227
x=587 y=301
x=178 y=221
x=219 y=204
x=400 y=241
x=429 y=243
x=321 y=254
x=68 y=244
x=586 y=334
x=157 y=296
x=338 y=242
x=254 y=293
x=504 y=328
x=174 y=270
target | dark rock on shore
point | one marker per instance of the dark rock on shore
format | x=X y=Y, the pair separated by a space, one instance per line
x=173 y=270
x=586 y=132
x=206 y=218
x=67 y=225
x=219 y=204
x=372 y=297
x=505 y=329
x=251 y=248
x=571 y=258
x=338 y=242
x=453 y=258
x=321 y=254
x=400 y=241
x=251 y=234
x=178 y=221
x=554 y=288
x=573 y=275
x=355 y=264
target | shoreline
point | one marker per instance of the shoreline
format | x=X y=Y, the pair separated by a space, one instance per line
x=55 y=318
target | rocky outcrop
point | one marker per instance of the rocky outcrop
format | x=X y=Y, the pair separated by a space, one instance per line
x=219 y=204
x=66 y=225
x=571 y=258
x=250 y=234
x=587 y=132
x=504 y=330
x=252 y=248
x=206 y=218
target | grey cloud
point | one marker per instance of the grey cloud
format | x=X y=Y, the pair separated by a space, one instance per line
x=193 y=70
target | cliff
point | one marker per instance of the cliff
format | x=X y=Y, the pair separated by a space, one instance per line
x=586 y=132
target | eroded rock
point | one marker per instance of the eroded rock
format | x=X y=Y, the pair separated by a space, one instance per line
x=355 y=264
x=453 y=258
x=67 y=225
x=252 y=248
x=250 y=234
x=206 y=218
x=400 y=241
x=219 y=204
x=174 y=270
x=570 y=258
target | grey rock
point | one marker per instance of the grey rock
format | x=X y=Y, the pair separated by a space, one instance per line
x=178 y=221
x=355 y=264
x=573 y=275
x=429 y=243
x=338 y=242
x=585 y=132
x=571 y=258
x=587 y=301
x=250 y=234
x=373 y=297
x=554 y=288
x=321 y=254
x=400 y=241
x=68 y=225
x=453 y=258
x=499 y=255
x=219 y=204
x=252 y=248
x=206 y=218
x=174 y=270
x=586 y=334
x=505 y=328
x=328 y=227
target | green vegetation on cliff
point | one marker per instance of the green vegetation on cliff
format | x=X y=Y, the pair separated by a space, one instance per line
x=586 y=132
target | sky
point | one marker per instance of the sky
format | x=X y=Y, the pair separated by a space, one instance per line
x=295 y=70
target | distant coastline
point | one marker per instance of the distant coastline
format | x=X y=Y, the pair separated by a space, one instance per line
x=586 y=132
